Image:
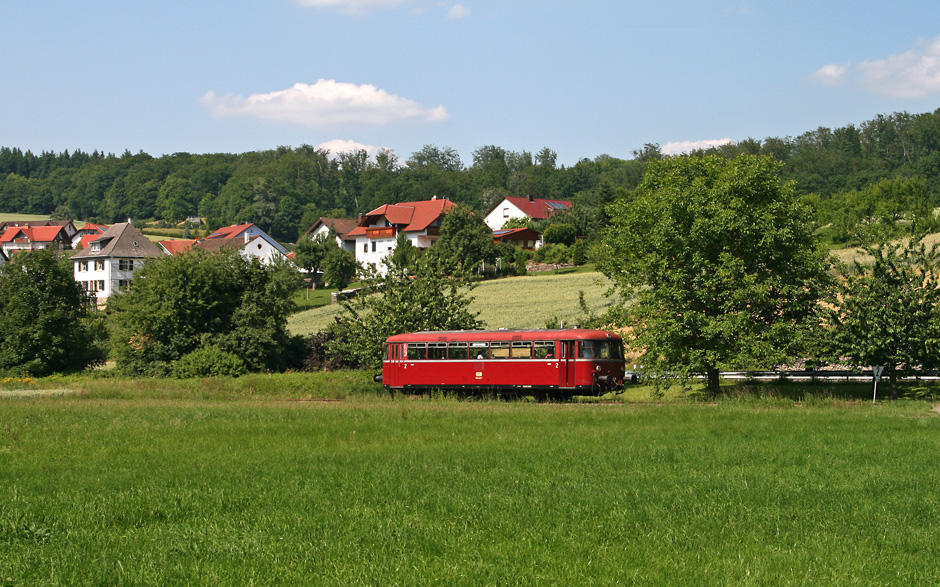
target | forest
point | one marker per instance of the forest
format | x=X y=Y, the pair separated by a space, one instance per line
x=871 y=174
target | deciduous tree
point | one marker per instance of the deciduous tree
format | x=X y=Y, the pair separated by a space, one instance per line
x=722 y=264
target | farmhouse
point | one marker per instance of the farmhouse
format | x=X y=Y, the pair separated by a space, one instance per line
x=517 y=207
x=341 y=226
x=420 y=222
x=246 y=231
x=108 y=264
x=28 y=238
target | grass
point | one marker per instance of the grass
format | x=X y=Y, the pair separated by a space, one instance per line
x=530 y=301
x=168 y=487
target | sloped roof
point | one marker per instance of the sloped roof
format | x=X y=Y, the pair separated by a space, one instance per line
x=217 y=243
x=408 y=216
x=86 y=240
x=99 y=227
x=342 y=226
x=538 y=208
x=38 y=234
x=121 y=240
x=231 y=231
x=501 y=234
x=175 y=247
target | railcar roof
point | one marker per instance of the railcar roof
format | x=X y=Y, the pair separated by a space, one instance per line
x=473 y=335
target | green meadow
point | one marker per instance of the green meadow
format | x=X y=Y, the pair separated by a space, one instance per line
x=327 y=480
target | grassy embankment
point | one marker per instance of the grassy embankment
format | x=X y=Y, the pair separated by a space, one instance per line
x=160 y=482
x=513 y=302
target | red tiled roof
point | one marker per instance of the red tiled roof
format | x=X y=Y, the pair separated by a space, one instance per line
x=414 y=216
x=38 y=234
x=99 y=227
x=231 y=231
x=536 y=208
x=175 y=247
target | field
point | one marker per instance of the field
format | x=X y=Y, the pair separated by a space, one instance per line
x=223 y=483
x=515 y=302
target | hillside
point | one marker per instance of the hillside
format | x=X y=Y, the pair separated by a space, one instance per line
x=513 y=302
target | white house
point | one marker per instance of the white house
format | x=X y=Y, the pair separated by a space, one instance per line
x=420 y=222
x=244 y=231
x=107 y=265
x=517 y=207
x=341 y=226
x=249 y=246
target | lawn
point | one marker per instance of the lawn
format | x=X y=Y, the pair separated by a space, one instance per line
x=219 y=488
x=530 y=301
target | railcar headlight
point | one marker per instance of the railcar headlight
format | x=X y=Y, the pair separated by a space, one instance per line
x=597 y=368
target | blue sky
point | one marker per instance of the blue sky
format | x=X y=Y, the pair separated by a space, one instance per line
x=583 y=78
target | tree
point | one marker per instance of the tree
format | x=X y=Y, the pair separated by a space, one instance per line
x=466 y=240
x=428 y=300
x=45 y=327
x=310 y=253
x=339 y=268
x=723 y=266
x=178 y=304
x=888 y=313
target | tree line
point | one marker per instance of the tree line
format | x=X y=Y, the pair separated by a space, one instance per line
x=285 y=190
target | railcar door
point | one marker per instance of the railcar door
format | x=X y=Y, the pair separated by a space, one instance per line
x=566 y=360
x=394 y=365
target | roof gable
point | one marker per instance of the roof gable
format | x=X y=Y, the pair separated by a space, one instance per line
x=121 y=240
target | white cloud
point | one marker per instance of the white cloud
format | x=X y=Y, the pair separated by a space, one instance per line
x=914 y=74
x=680 y=147
x=337 y=146
x=831 y=75
x=325 y=104
x=352 y=6
x=458 y=11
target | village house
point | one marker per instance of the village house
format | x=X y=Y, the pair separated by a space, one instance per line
x=341 y=226
x=245 y=231
x=518 y=207
x=29 y=238
x=524 y=238
x=108 y=264
x=86 y=234
x=420 y=222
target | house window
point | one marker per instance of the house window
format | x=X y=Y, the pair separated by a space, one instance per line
x=373 y=246
x=505 y=212
x=365 y=247
x=126 y=264
x=83 y=265
x=99 y=265
x=124 y=284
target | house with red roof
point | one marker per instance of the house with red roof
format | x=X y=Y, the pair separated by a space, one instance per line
x=377 y=230
x=28 y=238
x=518 y=207
x=246 y=231
x=83 y=237
x=248 y=246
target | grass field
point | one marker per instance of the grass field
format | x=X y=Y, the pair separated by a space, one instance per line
x=513 y=302
x=181 y=483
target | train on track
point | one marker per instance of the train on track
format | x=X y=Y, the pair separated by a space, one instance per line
x=573 y=360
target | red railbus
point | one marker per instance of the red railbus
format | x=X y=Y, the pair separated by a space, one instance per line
x=567 y=360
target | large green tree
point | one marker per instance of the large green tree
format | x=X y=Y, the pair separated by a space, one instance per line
x=179 y=304
x=466 y=240
x=887 y=313
x=722 y=264
x=402 y=302
x=44 y=323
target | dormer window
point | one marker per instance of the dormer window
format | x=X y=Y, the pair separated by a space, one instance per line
x=95 y=246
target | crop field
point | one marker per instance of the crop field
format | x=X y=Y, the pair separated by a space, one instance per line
x=515 y=302
x=8 y=217
x=217 y=483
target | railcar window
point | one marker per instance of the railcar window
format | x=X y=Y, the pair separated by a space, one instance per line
x=417 y=351
x=499 y=350
x=599 y=349
x=437 y=351
x=385 y=352
x=480 y=350
x=457 y=351
x=522 y=349
x=544 y=349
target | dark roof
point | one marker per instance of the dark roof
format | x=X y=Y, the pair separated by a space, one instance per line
x=342 y=226
x=121 y=240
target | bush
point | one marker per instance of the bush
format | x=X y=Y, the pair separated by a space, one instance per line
x=209 y=361
x=578 y=255
x=559 y=233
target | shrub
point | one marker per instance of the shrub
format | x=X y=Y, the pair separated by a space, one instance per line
x=209 y=361
x=559 y=233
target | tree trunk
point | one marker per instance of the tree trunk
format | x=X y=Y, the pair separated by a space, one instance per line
x=893 y=378
x=713 y=382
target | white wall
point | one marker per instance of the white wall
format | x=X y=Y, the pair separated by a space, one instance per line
x=501 y=213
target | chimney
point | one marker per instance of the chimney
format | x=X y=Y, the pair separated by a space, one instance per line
x=531 y=198
x=433 y=197
x=246 y=237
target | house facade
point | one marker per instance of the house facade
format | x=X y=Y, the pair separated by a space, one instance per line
x=245 y=231
x=518 y=207
x=341 y=226
x=377 y=231
x=107 y=265
x=28 y=238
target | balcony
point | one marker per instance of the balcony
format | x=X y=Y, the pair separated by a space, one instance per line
x=382 y=232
